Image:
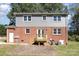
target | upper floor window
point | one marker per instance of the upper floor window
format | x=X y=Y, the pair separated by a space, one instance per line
x=57 y=18
x=44 y=17
x=27 y=18
x=57 y=31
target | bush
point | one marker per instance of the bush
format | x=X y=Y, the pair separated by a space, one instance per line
x=2 y=30
x=69 y=37
x=77 y=38
x=73 y=38
x=4 y=40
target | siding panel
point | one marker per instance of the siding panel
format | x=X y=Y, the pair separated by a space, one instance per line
x=38 y=21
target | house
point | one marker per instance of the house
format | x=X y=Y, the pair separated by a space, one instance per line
x=38 y=27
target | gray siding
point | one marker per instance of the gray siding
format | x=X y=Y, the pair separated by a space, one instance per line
x=38 y=21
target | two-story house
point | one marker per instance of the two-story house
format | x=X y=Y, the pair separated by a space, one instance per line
x=38 y=27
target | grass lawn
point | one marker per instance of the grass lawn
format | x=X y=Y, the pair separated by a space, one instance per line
x=6 y=49
x=72 y=49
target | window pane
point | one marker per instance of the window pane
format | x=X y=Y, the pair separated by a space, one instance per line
x=39 y=33
x=59 y=31
x=27 y=30
x=29 y=18
x=25 y=18
x=59 y=18
x=55 y=18
x=44 y=17
x=42 y=33
x=55 y=31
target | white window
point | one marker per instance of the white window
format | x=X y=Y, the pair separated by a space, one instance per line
x=57 y=18
x=57 y=31
x=44 y=17
x=27 y=18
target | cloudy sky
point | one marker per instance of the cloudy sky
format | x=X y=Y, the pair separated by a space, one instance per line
x=4 y=9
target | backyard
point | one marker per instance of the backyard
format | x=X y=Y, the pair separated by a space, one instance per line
x=72 y=49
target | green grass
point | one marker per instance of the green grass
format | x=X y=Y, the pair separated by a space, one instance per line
x=72 y=49
x=6 y=49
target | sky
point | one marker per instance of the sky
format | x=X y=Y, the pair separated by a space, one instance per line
x=5 y=9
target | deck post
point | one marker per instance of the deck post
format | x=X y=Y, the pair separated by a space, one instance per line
x=38 y=43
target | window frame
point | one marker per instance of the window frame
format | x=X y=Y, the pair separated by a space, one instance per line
x=26 y=31
x=44 y=18
x=27 y=17
x=57 y=31
x=59 y=18
x=54 y=31
x=55 y=18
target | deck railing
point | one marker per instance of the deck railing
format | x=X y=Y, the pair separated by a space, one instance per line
x=40 y=37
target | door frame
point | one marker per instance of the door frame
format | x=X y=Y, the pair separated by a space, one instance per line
x=40 y=33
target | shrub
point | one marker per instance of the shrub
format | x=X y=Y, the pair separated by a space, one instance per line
x=73 y=38
x=2 y=30
x=77 y=38
x=4 y=40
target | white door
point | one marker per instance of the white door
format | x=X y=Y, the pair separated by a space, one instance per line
x=11 y=37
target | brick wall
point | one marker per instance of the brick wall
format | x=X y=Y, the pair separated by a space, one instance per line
x=20 y=35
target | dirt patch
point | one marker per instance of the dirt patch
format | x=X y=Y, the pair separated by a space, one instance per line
x=34 y=50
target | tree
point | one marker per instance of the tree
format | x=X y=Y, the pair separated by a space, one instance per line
x=74 y=29
x=34 y=7
x=2 y=30
x=12 y=22
x=75 y=23
x=74 y=11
